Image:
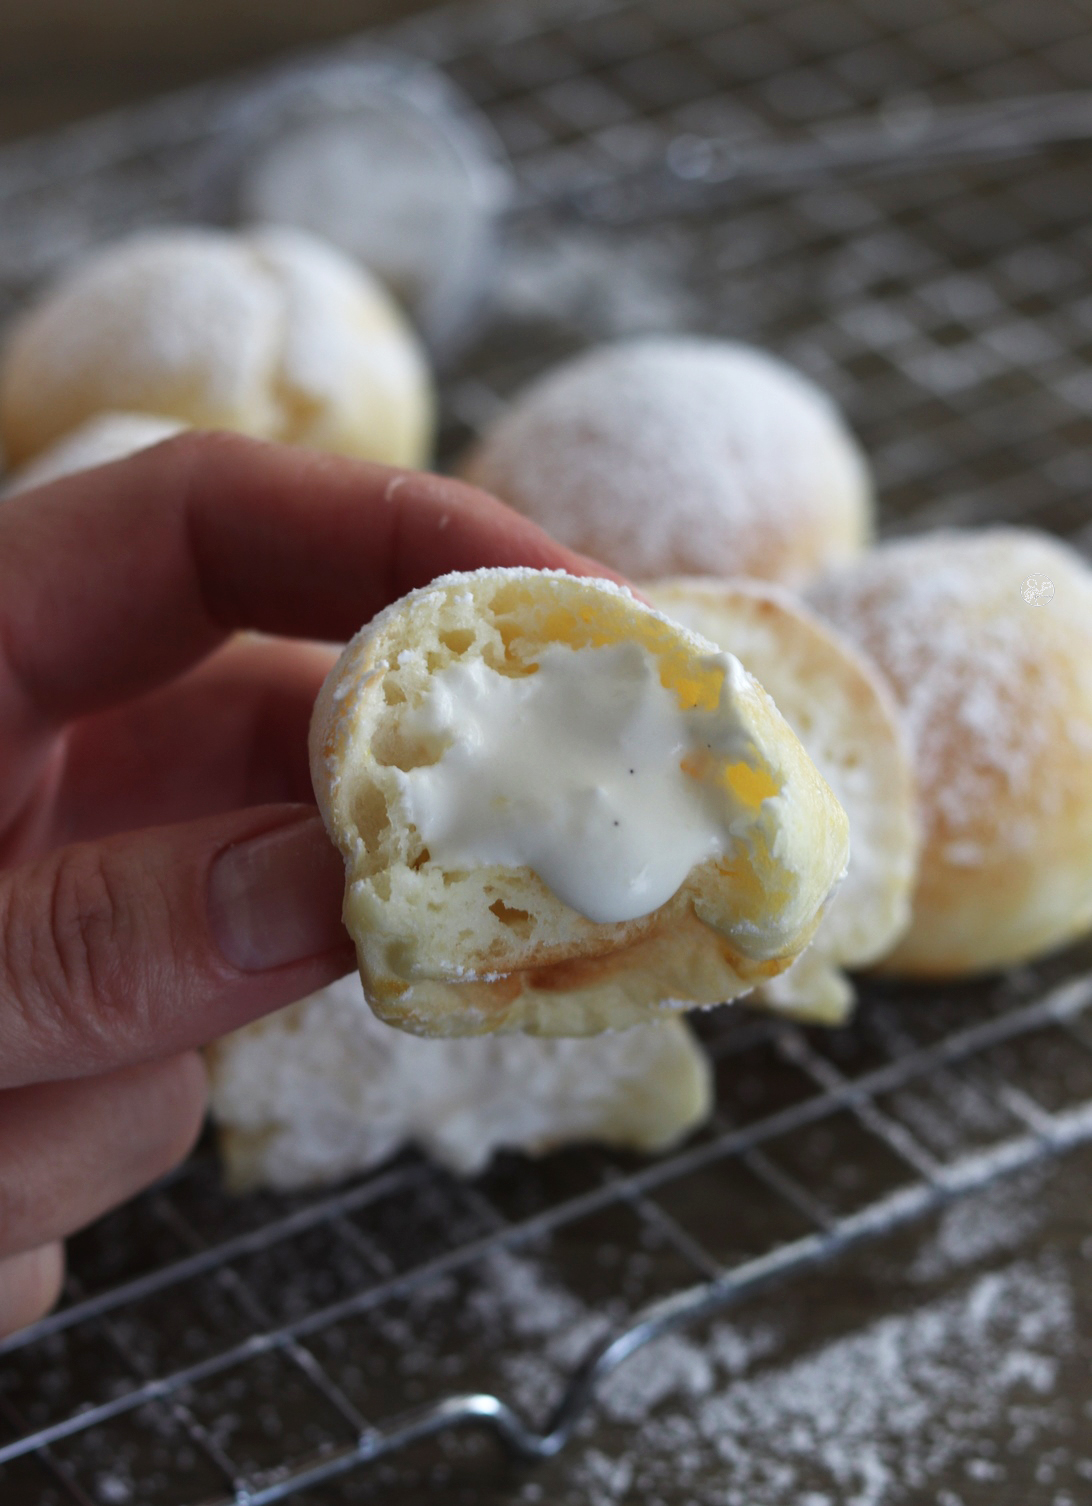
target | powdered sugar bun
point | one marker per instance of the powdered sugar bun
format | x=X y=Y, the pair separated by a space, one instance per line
x=106 y=437
x=682 y=456
x=471 y=947
x=986 y=639
x=323 y=1089
x=271 y=333
x=847 y=719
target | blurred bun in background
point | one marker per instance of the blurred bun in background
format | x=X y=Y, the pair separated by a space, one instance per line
x=323 y=1089
x=108 y=436
x=385 y=157
x=986 y=640
x=683 y=456
x=270 y=333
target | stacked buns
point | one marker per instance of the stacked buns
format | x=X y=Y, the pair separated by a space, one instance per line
x=942 y=687
x=271 y=333
x=704 y=458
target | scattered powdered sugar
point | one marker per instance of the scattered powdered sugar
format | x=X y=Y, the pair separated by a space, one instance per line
x=996 y=1222
x=604 y=289
x=342 y=334
x=162 y=309
x=868 y=1420
x=672 y=1367
x=737 y=1415
x=675 y=455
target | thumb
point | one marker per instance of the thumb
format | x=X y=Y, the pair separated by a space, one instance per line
x=147 y=944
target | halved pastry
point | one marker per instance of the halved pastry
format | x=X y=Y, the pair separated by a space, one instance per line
x=559 y=810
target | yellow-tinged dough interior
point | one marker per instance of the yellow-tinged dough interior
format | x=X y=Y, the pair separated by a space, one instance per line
x=424 y=930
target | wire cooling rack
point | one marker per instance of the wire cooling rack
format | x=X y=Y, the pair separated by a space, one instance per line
x=895 y=198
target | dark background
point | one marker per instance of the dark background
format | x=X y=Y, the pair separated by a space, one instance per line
x=62 y=59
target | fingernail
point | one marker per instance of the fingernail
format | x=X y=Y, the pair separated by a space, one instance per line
x=276 y=898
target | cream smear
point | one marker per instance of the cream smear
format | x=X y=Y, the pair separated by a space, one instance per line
x=576 y=772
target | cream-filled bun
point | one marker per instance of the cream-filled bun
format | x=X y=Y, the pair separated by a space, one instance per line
x=323 y=1089
x=106 y=437
x=559 y=810
x=986 y=639
x=845 y=715
x=682 y=456
x=270 y=333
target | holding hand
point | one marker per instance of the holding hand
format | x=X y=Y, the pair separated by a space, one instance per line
x=163 y=875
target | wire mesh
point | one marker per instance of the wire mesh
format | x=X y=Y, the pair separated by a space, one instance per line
x=892 y=197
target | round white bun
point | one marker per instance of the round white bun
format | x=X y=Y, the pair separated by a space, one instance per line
x=682 y=456
x=323 y=1089
x=845 y=715
x=106 y=437
x=986 y=640
x=271 y=333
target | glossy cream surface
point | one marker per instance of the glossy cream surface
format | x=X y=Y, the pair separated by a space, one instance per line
x=587 y=771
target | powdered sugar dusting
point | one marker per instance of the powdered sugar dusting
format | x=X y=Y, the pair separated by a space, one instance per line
x=681 y=455
x=864 y=1420
x=970 y=1231
x=741 y=1414
x=983 y=688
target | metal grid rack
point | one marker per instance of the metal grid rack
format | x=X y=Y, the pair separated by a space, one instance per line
x=894 y=198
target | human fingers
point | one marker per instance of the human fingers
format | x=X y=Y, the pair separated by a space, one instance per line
x=143 y=945
x=30 y=1284
x=230 y=733
x=71 y=1150
x=118 y=579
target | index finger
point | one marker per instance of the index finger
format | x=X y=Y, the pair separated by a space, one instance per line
x=117 y=579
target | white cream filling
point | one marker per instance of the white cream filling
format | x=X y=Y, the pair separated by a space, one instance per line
x=576 y=772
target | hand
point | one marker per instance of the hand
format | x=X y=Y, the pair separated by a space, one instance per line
x=164 y=877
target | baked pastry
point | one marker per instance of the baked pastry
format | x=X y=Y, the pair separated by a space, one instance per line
x=559 y=810
x=846 y=717
x=106 y=437
x=271 y=333
x=986 y=639
x=323 y=1089
x=682 y=456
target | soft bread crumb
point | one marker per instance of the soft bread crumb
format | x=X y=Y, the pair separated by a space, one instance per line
x=438 y=954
